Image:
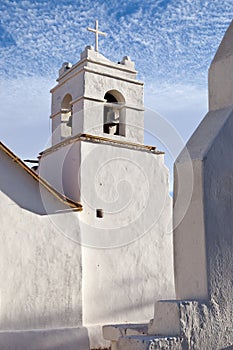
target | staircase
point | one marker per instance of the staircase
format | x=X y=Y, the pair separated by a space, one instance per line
x=136 y=337
x=162 y=332
x=177 y=325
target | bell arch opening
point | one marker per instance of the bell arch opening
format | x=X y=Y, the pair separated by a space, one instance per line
x=66 y=116
x=114 y=113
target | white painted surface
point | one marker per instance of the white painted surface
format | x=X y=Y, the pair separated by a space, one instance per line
x=166 y=319
x=24 y=190
x=190 y=263
x=203 y=226
x=115 y=331
x=148 y=342
x=127 y=256
x=220 y=78
x=208 y=324
x=41 y=281
x=61 y=169
x=40 y=273
x=80 y=269
x=87 y=82
x=52 y=339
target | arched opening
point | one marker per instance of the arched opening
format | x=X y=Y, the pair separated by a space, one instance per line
x=114 y=113
x=66 y=116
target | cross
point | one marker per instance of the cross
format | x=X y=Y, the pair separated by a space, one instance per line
x=97 y=32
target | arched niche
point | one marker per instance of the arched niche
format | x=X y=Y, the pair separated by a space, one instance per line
x=114 y=113
x=66 y=116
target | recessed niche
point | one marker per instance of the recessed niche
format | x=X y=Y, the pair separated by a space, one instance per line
x=99 y=213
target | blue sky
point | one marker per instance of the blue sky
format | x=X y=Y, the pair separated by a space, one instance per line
x=171 y=41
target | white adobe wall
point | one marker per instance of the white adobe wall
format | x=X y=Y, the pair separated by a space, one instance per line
x=41 y=268
x=210 y=149
x=207 y=322
x=61 y=169
x=127 y=254
x=24 y=190
x=201 y=315
x=220 y=78
x=41 y=274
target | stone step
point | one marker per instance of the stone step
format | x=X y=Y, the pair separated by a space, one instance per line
x=136 y=342
x=116 y=331
x=166 y=320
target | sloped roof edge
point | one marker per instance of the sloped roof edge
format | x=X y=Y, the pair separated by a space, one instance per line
x=205 y=134
x=65 y=200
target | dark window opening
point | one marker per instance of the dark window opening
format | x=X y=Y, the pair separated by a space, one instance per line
x=99 y=213
x=113 y=116
x=110 y=98
x=66 y=116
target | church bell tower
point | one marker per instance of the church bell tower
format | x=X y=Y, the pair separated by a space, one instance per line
x=97 y=157
x=95 y=101
x=98 y=97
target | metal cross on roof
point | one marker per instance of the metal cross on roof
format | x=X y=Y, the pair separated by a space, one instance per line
x=97 y=33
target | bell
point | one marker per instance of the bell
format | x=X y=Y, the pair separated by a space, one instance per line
x=112 y=116
x=69 y=122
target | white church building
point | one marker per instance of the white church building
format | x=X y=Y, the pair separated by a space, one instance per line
x=87 y=249
x=86 y=239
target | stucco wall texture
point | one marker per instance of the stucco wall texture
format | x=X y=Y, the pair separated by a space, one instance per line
x=201 y=316
x=41 y=269
x=127 y=256
x=207 y=322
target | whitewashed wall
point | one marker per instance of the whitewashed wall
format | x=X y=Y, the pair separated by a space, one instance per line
x=41 y=268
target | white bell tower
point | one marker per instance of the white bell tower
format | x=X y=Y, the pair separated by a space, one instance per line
x=98 y=97
x=99 y=159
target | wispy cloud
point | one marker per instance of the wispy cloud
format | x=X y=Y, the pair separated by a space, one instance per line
x=174 y=38
x=172 y=43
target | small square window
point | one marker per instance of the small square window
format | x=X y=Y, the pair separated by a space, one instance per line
x=99 y=213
